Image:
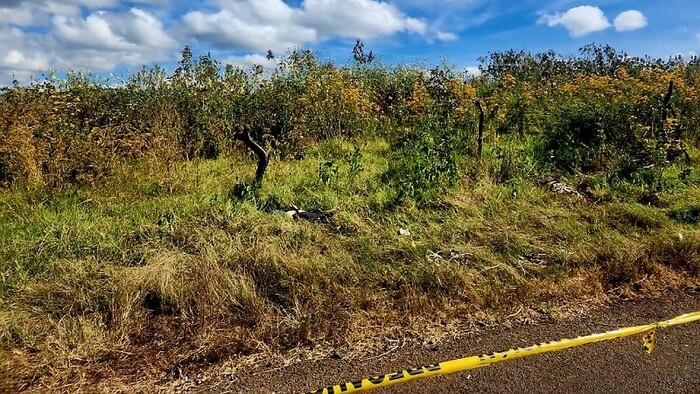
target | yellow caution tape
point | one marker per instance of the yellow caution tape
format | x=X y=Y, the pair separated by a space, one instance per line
x=447 y=367
x=649 y=340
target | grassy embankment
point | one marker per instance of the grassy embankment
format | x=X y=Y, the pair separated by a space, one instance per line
x=132 y=243
x=144 y=277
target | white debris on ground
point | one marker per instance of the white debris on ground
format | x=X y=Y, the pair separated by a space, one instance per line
x=404 y=232
x=451 y=255
x=559 y=187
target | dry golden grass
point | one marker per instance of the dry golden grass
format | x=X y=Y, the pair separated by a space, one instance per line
x=131 y=285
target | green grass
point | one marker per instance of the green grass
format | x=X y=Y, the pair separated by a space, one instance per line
x=170 y=270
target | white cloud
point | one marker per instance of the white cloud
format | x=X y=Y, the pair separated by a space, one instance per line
x=104 y=39
x=21 y=51
x=415 y=26
x=14 y=57
x=227 y=29
x=104 y=30
x=100 y=42
x=141 y=28
x=92 y=32
x=93 y=3
x=578 y=21
x=446 y=36
x=152 y=2
x=258 y=25
x=472 y=71
x=101 y=35
x=251 y=60
x=85 y=3
x=22 y=61
x=22 y=15
x=364 y=19
x=41 y=9
x=39 y=12
x=630 y=20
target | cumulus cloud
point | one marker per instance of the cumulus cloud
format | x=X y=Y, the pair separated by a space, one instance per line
x=113 y=31
x=152 y=2
x=85 y=3
x=100 y=42
x=104 y=39
x=250 y=25
x=21 y=54
x=258 y=25
x=630 y=20
x=446 y=36
x=102 y=35
x=578 y=21
x=20 y=14
x=19 y=11
x=363 y=19
x=473 y=71
x=251 y=60
x=93 y=34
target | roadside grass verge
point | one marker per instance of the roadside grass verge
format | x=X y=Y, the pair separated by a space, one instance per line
x=149 y=274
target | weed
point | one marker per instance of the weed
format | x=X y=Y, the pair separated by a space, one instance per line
x=354 y=162
x=327 y=171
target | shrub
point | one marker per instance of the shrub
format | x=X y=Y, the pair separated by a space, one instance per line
x=424 y=164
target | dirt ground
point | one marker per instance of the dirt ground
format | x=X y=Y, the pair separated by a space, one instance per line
x=616 y=366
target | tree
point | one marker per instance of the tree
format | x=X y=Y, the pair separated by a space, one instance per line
x=358 y=53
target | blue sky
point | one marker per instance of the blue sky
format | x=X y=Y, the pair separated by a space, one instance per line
x=119 y=36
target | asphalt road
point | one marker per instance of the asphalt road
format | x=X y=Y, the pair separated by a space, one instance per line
x=615 y=366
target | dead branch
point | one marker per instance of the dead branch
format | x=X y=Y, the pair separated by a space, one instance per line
x=481 y=130
x=263 y=157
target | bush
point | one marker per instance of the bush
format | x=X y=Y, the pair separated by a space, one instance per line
x=601 y=112
x=616 y=124
x=424 y=164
